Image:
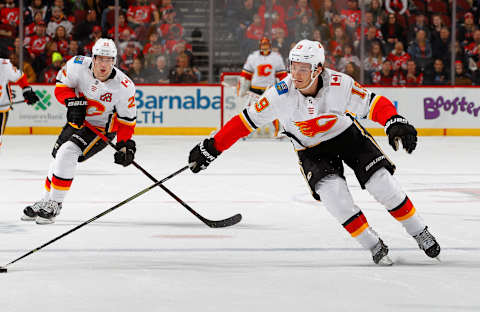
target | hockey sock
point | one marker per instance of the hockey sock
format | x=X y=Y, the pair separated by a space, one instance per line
x=48 y=180
x=386 y=190
x=276 y=126
x=64 y=170
x=334 y=193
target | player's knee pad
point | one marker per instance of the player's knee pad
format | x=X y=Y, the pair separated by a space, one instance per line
x=69 y=150
x=314 y=168
x=385 y=188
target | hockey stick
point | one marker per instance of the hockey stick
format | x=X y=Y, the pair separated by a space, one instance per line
x=13 y=103
x=96 y=217
x=211 y=223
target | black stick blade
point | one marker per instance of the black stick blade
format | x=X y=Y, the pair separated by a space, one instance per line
x=226 y=222
x=3 y=270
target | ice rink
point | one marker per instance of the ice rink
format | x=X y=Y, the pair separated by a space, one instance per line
x=287 y=254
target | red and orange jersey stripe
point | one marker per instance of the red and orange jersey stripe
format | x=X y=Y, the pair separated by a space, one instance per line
x=403 y=211
x=381 y=109
x=248 y=75
x=47 y=184
x=356 y=224
x=61 y=184
x=281 y=74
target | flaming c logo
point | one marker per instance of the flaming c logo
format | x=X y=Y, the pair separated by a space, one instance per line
x=95 y=108
x=317 y=125
x=264 y=69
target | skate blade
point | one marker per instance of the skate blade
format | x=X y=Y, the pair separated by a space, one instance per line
x=438 y=259
x=42 y=221
x=27 y=218
x=385 y=261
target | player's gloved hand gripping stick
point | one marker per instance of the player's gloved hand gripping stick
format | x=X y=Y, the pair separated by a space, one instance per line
x=211 y=223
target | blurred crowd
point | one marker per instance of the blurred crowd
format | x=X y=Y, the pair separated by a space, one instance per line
x=407 y=42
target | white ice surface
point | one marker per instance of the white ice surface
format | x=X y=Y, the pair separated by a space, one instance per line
x=287 y=254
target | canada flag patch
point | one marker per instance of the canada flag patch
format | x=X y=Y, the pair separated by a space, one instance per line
x=335 y=80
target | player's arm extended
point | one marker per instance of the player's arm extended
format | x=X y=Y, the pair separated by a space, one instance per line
x=126 y=113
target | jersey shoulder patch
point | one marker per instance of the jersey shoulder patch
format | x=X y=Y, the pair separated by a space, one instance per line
x=281 y=87
x=79 y=59
x=335 y=80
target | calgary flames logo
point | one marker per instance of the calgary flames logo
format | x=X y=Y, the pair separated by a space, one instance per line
x=317 y=125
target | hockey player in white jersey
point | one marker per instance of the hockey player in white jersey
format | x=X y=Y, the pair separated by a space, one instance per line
x=92 y=89
x=313 y=103
x=261 y=70
x=9 y=74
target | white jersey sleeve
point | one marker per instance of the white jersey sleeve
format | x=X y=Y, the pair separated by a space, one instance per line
x=279 y=64
x=264 y=110
x=358 y=99
x=125 y=108
x=8 y=73
x=69 y=74
x=249 y=65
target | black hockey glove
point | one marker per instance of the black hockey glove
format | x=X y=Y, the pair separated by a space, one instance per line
x=76 y=110
x=202 y=155
x=398 y=128
x=125 y=152
x=30 y=96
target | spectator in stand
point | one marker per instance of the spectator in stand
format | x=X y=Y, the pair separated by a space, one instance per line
x=182 y=73
x=168 y=24
x=369 y=22
x=304 y=29
x=413 y=76
x=392 y=32
x=58 y=19
x=73 y=50
x=165 y=5
x=279 y=24
x=347 y=58
x=122 y=27
x=30 y=28
x=373 y=63
x=9 y=14
x=36 y=44
x=242 y=17
x=462 y=78
x=61 y=39
x=420 y=24
x=338 y=42
x=94 y=36
x=399 y=57
x=353 y=71
x=36 y=6
x=140 y=13
x=137 y=73
x=159 y=72
x=436 y=27
x=49 y=74
x=275 y=7
x=82 y=31
x=152 y=39
x=376 y=7
x=27 y=67
x=156 y=50
x=351 y=17
x=254 y=33
x=465 y=31
x=181 y=48
x=65 y=7
x=421 y=51
x=374 y=35
x=175 y=38
x=127 y=57
x=437 y=75
x=295 y=14
x=336 y=22
x=441 y=46
x=280 y=43
x=385 y=76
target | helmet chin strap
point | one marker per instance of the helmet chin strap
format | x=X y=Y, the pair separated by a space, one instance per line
x=312 y=80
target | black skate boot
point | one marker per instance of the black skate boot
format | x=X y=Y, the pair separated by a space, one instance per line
x=48 y=212
x=380 y=254
x=30 y=212
x=428 y=243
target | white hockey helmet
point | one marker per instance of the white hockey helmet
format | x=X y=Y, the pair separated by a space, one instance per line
x=105 y=47
x=307 y=51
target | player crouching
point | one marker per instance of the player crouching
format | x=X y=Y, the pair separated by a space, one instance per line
x=92 y=89
x=311 y=103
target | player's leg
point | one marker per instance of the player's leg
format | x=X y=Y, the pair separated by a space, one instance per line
x=386 y=190
x=324 y=176
x=3 y=124
x=30 y=212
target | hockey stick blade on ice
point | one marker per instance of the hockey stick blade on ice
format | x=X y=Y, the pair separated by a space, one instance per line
x=3 y=269
x=13 y=103
x=211 y=223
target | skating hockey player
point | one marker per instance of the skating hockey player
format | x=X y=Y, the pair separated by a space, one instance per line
x=261 y=70
x=12 y=75
x=92 y=89
x=315 y=106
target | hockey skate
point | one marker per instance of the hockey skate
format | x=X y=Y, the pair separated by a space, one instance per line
x=30 y=212
x=428 y=243
x=47 y=214
x=380 y=254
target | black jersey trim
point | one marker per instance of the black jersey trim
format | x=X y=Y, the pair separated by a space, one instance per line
x=401 y=204
x=352 y=218
x=126 y=118
x=245 y=113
